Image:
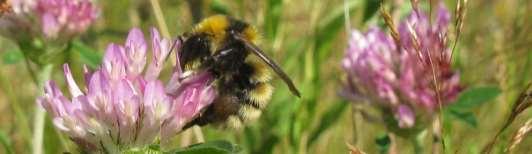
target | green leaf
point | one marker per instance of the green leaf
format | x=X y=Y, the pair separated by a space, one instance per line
x=52 y=142
x=6 y=142
x=383 y=143
x=406 y=9
x=12 y=57
x=273 y=13
x=88 y=55
x=250 y=136
x=268 y=145
x=219 y=7
x=469 y=99
x=527 y=70
x=155 y=147
x=328 y=119
x=467 y=117
x=474 y=97
x=212 y=147
x=330 y=27
x=371 y=8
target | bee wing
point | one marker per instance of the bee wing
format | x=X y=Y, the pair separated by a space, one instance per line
x=258 y=52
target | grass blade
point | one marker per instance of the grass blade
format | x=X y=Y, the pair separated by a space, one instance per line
x=6 y=142
x=328 y=120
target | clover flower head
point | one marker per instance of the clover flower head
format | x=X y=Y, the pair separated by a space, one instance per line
x=69 y=16
x=124 y=105
x=57 y=18
x=401 y=76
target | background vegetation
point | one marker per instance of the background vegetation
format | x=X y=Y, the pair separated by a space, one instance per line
x=307 y=37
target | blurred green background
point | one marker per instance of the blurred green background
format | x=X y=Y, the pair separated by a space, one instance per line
x=307 y=38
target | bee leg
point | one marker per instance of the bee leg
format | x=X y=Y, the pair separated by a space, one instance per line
x=222 y=53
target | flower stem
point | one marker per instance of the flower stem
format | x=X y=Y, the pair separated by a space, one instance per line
x=347 y=20
x=418 y=149
x=159 y=16
x=30 y=70
x=38 y=129
x=438 y=97
x=39 y=119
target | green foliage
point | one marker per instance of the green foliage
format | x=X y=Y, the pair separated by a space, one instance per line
x=88 y=56
x=12 y=57
x=331 y=116
x=307 y=39
x=473 y=97
x=383 y=143
x=6 y=143
x=52 y=143
x=274 y=11
x=212 y=147
x=219 y=7
x=329 y=28
x=467 y=117
x=470 y=99
x=372 y=6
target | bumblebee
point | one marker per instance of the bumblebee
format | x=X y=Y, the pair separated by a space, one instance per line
x=226 y=48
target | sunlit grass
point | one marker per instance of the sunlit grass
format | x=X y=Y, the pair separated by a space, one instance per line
x=307 y=38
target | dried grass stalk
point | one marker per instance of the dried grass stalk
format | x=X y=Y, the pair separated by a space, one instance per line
x=415 y=41
x=353 y=149
x=523 y=102
x=519 y=136
x=460 y=12
x=391 y=25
